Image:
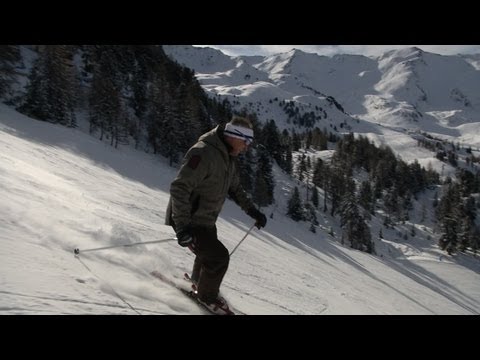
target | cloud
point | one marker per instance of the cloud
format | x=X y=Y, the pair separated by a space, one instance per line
x=330 y=50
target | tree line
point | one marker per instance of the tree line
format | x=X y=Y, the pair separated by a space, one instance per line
x=131 y=94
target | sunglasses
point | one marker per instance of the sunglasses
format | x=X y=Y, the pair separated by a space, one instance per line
x=248 y=140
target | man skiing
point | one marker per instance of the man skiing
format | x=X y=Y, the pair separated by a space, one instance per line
x=207 y=175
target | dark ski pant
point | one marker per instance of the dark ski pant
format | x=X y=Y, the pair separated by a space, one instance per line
x=211 y=263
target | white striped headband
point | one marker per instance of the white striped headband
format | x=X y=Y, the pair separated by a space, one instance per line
x=239 y=132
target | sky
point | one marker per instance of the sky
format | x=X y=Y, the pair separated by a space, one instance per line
x=63 y=189
x=330 y=50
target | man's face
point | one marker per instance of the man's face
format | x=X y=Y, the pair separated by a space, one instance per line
x=238 y=145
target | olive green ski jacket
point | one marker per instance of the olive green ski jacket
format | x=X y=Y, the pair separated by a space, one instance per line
x=207 y=175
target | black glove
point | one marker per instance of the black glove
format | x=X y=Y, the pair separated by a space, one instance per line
x=184 y=235
x=258 y=216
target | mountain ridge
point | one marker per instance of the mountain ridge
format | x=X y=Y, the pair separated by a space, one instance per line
x=400 y=86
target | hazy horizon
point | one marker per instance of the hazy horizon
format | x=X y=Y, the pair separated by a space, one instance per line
x=330 y=50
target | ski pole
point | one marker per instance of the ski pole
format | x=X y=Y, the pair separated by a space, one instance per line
x=77 y=250
x=248 y=232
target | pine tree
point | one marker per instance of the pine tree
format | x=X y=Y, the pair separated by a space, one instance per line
x=365 y=196
x=269 y=137
x=315 y=198
x=310 y=214
x=288 y=161
x=264 y=182
x=449 y=213
x=35 y=99
x=391 y=202
x=260 y=194
x=355 y=230
x=336 y=187
x=302 y=166
x=170 y=141
x=9 y=55
x=63 y=83
x=184 y=117
x=155 y=112
x=296 y=143
x=138 y=81
x=448 y=240
x=104 y=98
x=245 y=162
x=466 y=233
x=295 y=206
x=50 y=93
x=319 y=140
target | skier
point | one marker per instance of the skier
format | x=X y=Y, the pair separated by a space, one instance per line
x=207 y=175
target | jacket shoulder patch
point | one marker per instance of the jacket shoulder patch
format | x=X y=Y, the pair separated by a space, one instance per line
x=194 y=161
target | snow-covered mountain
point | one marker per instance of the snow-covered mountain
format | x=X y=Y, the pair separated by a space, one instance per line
x=397 y=95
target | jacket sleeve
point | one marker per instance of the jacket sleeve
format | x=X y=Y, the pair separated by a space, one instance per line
x=238 y=194
x=192 y=171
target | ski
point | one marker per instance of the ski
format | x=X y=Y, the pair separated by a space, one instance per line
x=188 y=293
x=191 y=294
x=187 y=277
